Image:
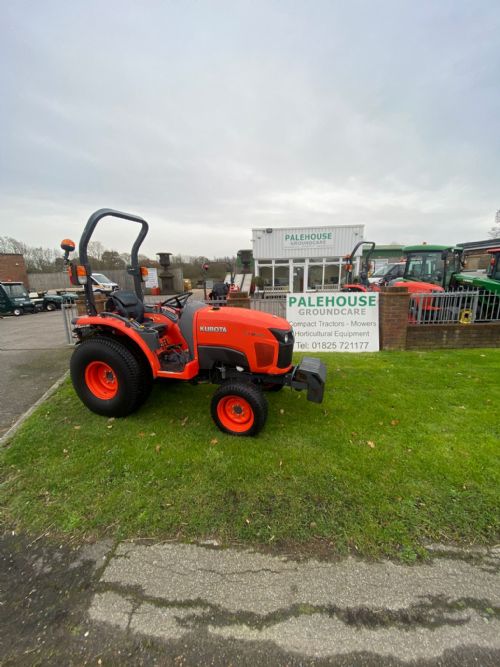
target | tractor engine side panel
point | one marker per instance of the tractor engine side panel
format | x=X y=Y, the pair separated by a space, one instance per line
x=243 y=338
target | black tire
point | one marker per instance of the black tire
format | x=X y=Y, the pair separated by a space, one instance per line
x=18 y=311
x=244 y=418
x=50 y=306
x=146 y=376
x=126 y=373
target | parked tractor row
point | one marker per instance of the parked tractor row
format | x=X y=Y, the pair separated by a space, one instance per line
x=430 y=270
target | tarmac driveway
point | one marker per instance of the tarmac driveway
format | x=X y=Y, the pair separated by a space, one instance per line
x=33 y=355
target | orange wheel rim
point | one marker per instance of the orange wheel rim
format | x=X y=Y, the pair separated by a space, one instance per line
x=235 y=413
x=101 y=380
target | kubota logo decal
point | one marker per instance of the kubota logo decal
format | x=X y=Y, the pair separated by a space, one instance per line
x=213 y=329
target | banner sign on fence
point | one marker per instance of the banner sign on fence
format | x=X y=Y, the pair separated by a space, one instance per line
x=151 y=278
x=334 y=321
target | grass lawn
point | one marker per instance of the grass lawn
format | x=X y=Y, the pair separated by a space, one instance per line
x=404 y=450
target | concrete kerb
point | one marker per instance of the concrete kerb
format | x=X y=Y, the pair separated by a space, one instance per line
x=4 y=440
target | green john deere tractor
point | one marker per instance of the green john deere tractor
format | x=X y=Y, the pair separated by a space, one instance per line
x=430 y=266
x=486 y=285
x=480 y=280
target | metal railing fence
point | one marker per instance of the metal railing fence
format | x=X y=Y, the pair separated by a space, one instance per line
x=69 y=311
x=274 y=306
x=460 y=307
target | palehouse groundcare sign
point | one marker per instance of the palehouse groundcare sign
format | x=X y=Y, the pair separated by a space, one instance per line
x=334 y=322
x=317 y=240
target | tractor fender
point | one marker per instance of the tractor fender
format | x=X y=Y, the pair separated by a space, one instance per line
x=119 y=329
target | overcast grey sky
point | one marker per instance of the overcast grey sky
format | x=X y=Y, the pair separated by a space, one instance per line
x=210 y=118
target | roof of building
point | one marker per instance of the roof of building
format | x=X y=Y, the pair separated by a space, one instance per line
x=480 y=245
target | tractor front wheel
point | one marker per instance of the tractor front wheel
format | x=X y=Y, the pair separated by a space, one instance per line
x=17 y=312
x=239 y=408
x=107 y=377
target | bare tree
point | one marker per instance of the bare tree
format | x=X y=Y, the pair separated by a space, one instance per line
x=495 y=230
x=95 y=250
x=10 y=245
x=126 y=258
x=37 y=260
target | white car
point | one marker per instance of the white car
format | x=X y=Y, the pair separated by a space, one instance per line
x=101 y=284
x=384 y=274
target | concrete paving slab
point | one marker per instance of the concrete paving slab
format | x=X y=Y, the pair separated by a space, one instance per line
x=312 y=609
x=321 y=636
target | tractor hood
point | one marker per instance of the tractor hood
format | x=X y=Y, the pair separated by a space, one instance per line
x=264 y=340
x=478 y=281
x=417 y=286
x=245 y=317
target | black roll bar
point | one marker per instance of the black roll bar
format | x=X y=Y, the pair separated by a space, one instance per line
x=134 y=269
x=364 y=264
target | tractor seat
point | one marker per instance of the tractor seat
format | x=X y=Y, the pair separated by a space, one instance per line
x=128 y=305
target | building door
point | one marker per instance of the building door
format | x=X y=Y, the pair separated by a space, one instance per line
x=298 y=277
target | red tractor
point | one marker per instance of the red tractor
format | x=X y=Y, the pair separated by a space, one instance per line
x=122 y=350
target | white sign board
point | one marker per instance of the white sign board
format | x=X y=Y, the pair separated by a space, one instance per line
x=334 y=321
x=302 y=242
x=152 y=278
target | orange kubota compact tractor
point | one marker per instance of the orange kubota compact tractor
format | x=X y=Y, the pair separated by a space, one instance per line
x=122 y=350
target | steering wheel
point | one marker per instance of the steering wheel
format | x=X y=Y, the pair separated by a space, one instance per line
x=178 y=300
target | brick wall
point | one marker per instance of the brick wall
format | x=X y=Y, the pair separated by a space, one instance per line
x=13 y=268
x=393 y=318
x=452 y=336
x=397 y=334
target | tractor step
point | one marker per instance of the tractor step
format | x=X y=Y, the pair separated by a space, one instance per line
x=174 y=361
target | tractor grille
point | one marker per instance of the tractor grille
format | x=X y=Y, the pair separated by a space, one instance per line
x=285 y=352
x=285 y=355
x=264 y=353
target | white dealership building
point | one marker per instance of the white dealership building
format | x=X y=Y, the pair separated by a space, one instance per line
x=298 y=259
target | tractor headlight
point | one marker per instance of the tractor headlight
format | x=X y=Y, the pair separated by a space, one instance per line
x=284 y=336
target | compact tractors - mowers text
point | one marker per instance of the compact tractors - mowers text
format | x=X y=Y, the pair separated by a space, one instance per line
x=122 y=350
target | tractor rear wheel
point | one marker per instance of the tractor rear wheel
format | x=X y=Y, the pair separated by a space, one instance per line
x=146 y=376
x=239 y=408
x=107 y=377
